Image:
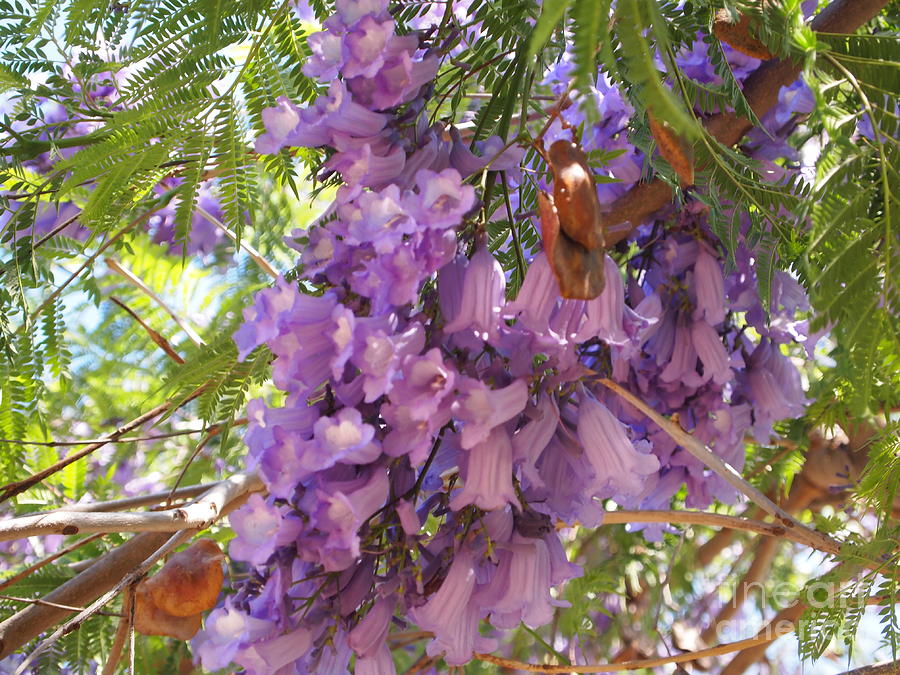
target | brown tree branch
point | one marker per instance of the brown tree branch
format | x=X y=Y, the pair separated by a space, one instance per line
x=761 y=91
x=199 y=514
x=113 y=572
x=79 y=591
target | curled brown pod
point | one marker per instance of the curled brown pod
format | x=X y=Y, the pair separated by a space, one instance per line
x=578 y=270
x=191 y=580
x=575 y=195
x=151 y=620
x=674 y=149
x=737 y=35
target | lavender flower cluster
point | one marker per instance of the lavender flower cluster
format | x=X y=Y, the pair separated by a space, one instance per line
x=434 y=435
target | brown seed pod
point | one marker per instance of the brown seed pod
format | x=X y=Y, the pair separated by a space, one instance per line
x=575 y=195
x=151 y=620
x=190 y=582
x=738 y=35
x=674 y=149
x=579 y=271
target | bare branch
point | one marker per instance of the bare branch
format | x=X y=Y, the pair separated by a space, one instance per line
x=198 y=515
x=727 y=648
x=101 y=577
x=155 y=336
x=252 y=252
x=711 y=520
x=138 y=283
x=87 y=586
x=724 y=470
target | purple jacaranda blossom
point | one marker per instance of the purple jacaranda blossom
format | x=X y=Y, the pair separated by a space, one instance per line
x=520 y=588
x=709 y=287
x=360 y=165
x=481 y=409
x=709 y=347
x=376 y=218
x=311 y=344
x=606 y=312
x=289 y=460
x=256 y=525
x=337 y=509
x=369 y=635
x=482 y=298
x=568 y=492
x=351 y=11
x=326 y=57
x=487 y=474
x=619 y=467
x=537 y=298
x=379 y=354
x=227 y=631
x=295 y=417
x=269 y=655
x=442 y=199
x=773 y=387
x=279 y=121
x=426 y=382
x=380 y=663
x=262 y=319
x=451 y=613
x=346 y=438
x=682 y=366
x=398 y=80
x=408 y=435
x=529 y=442
x=363 y=46
x=409 y=519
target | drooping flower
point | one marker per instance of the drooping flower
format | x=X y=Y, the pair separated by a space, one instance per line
x=619 y=467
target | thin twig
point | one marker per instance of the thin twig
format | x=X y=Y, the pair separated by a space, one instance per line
x=726 y=648
x=157 y=339
x=17 y=487
x=127 y=274
x=713 y=520
x=87 y=263
x=202 y=444
x=134 y=502
x=722 y=468
x=46 y=603
x=131 y=439
x=252 y=252
x=122 y=632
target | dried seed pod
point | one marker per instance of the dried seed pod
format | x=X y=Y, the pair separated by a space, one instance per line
x=191 y=580
x=674 y=149
x=738 y=35
x=579 y=271
x=575 y=195
x=151 y=620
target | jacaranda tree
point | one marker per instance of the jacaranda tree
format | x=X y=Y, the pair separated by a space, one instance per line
x=427 y=336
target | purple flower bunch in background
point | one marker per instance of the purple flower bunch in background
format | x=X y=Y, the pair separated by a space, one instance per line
x=435 y=435
x=70 y=121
